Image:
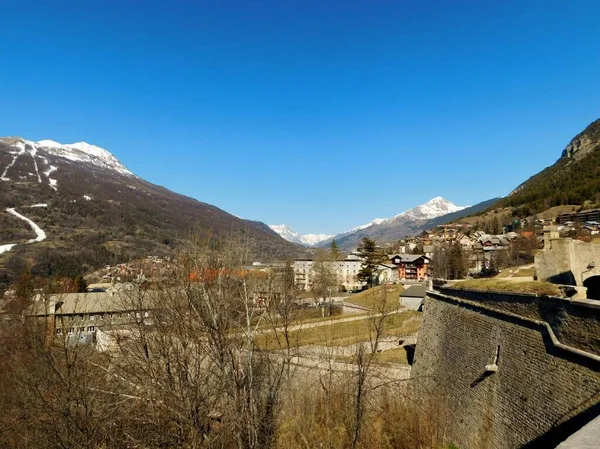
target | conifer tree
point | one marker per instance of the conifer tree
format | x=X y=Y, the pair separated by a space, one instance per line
x=334 y=250
x=372 y=256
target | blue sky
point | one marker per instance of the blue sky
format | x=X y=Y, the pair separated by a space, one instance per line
x=318 y=114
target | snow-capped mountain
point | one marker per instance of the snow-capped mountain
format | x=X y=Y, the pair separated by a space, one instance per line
x=38 y=153
x=95 y=211
x=292 y=236
x=83 y=152
x=433 y=208
x=401 y=225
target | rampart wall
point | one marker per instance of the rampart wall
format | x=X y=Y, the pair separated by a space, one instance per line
x=567 y=261
x=510 y=371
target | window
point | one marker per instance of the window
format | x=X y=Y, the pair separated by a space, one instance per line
x=71 y=330
x=91 y=328
x=59 y=331
x=81 y=329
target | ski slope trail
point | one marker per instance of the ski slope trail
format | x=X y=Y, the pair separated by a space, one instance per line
x=21 y=148
x=40 y=235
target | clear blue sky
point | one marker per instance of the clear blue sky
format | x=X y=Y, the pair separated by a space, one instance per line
x=318 y=114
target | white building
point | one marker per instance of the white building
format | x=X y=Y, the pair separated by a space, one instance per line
x=345 y=271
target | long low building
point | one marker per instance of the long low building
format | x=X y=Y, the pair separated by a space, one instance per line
x=79 y=316
x=345 y=271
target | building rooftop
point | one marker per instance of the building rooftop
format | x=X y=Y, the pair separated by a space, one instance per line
x=414 y=291
x=91 y=302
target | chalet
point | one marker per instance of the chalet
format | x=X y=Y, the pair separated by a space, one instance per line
x=493 y=241
x=411 y=266
x=464 y=241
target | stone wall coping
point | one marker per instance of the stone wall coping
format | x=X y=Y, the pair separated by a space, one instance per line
x=588 y=303
x=555 y=342
x=591 y=303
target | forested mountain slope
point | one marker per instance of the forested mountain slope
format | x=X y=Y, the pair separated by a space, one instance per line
x=573 y=179
x=93 y=211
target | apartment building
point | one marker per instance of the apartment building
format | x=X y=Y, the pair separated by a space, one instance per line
x=345 y=271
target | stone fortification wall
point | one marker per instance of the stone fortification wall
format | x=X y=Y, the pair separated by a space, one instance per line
x=574 y=322
x=540 y=390
x=567 y=261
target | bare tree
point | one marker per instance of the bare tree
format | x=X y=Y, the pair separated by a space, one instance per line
x=324 y=278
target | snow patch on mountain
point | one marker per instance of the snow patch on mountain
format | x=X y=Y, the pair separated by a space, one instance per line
x=40 y=235
x=436 y=207
x=433 y=208
x=21 y=147
x=51 y=169
x=77 y=152
x=292 y=236
x=6 y=248
x=371 y=223
x=84 y=152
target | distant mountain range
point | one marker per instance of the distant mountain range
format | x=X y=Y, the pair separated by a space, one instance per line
x=65 y=208
x=91 y=210
x=292 y=236
x=430 y=214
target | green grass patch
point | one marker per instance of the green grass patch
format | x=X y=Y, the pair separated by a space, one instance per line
x=304 y=316
x=498 y=285
x=525 y=272
x=383 y=297
x=387 y=358
x=516 y=272
x=342 y=334
x=391 y=357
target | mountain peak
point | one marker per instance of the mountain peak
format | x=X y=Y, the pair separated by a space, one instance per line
x=77 y=152
x=583 y=143
x=435 y=207
x=290 y=235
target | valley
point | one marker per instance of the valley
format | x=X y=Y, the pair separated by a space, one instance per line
x=300 y=225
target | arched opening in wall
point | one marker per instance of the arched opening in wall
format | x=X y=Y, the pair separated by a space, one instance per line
x=593 y=287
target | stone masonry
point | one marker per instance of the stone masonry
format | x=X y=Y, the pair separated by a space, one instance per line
x=502 y=374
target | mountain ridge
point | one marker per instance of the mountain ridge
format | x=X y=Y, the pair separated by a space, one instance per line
x=429 y=210
x=573 y=179
x=97 y=212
